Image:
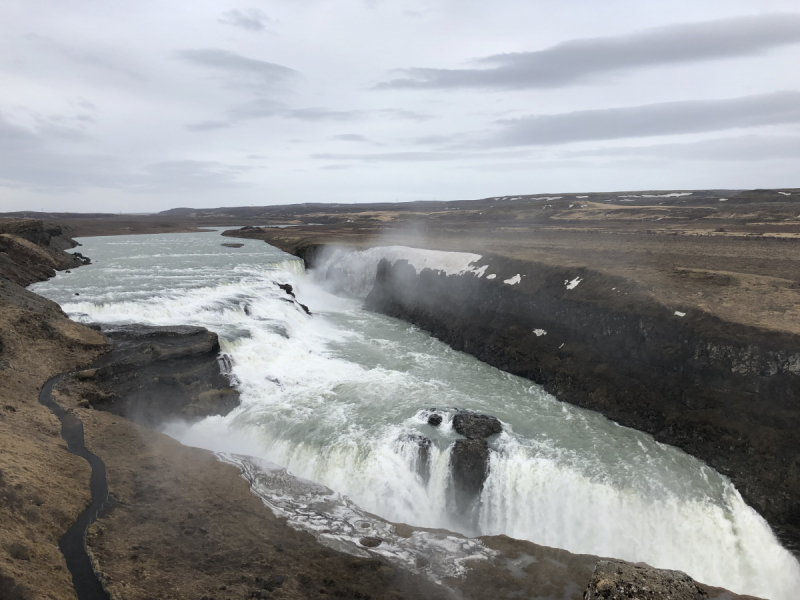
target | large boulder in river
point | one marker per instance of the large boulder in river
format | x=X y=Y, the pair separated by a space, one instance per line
x=474 y=426
x=469 y=465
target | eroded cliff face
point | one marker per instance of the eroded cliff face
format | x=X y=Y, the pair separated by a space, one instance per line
x=31 y=250
x=154 y=374
x=723 y=392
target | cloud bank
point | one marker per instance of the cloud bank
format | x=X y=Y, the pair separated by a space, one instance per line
x=582 y=60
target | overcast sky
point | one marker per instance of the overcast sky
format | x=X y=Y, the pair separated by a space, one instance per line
x=142 y=106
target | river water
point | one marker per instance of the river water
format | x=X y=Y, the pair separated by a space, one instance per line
x=332 y=396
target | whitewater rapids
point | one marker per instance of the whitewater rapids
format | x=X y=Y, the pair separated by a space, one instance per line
x=331 y=396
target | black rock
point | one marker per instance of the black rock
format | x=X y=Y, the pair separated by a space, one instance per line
x=476 y=426
x=469 y=466
x=370 y=542
x=435 y=420
x=156 y=373
x=286 y=288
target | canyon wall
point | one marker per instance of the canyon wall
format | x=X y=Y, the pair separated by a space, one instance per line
x=723 y=392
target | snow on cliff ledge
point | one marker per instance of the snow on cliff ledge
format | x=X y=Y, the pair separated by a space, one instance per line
x=359 y=267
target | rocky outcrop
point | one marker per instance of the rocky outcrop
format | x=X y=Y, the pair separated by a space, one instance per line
x=613 y=580
x=156 y=373
x=475 y=426
x=287 y=287
x=469 y=458
x=724 y=392
x=31 y=251
x=469 y=466
x=618 y=580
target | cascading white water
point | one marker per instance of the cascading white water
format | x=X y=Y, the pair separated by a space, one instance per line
x=332 y=397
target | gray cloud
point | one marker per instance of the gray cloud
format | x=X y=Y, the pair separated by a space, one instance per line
x=208 y=125
x=741 y=148
x=186 y=175
x=90 y=59
x=400 y=113
x=392 y=156
x=350 y=137
x=236 y=66
x=27 y=162
x=419 y=156
x=585 y=59
x=251 y=19
x=262 y=108
x=667 y=118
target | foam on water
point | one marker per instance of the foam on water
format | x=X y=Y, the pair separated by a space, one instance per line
x=336 y=397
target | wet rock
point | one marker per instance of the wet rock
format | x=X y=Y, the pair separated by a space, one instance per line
x=422 y=450
x=434 y=418
x=286 y=288
x=154 y=373
x=616 y=580
x=475 y=426
x=232 y=245
x=290 y=290
x=469 y=465
x=370 y=542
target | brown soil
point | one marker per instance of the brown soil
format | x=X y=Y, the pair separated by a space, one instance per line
x=43 y=487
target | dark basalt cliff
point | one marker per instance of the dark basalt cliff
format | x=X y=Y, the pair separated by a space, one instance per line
x=153 y=374
x=723 y=392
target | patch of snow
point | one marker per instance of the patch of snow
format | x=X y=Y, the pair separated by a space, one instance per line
x=561 y=346
x=492 y=276
x=581 y=197
x=571 y=205
x=539 y=332
x=680 y=314
x=723 y=199
x=357 y=268
x=571 y=285
x=785 y=193
x=549 y=198
x=450 y=263
x=514 y=280
x=672 y=195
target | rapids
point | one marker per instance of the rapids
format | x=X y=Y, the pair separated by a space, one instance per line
x=331 y=396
